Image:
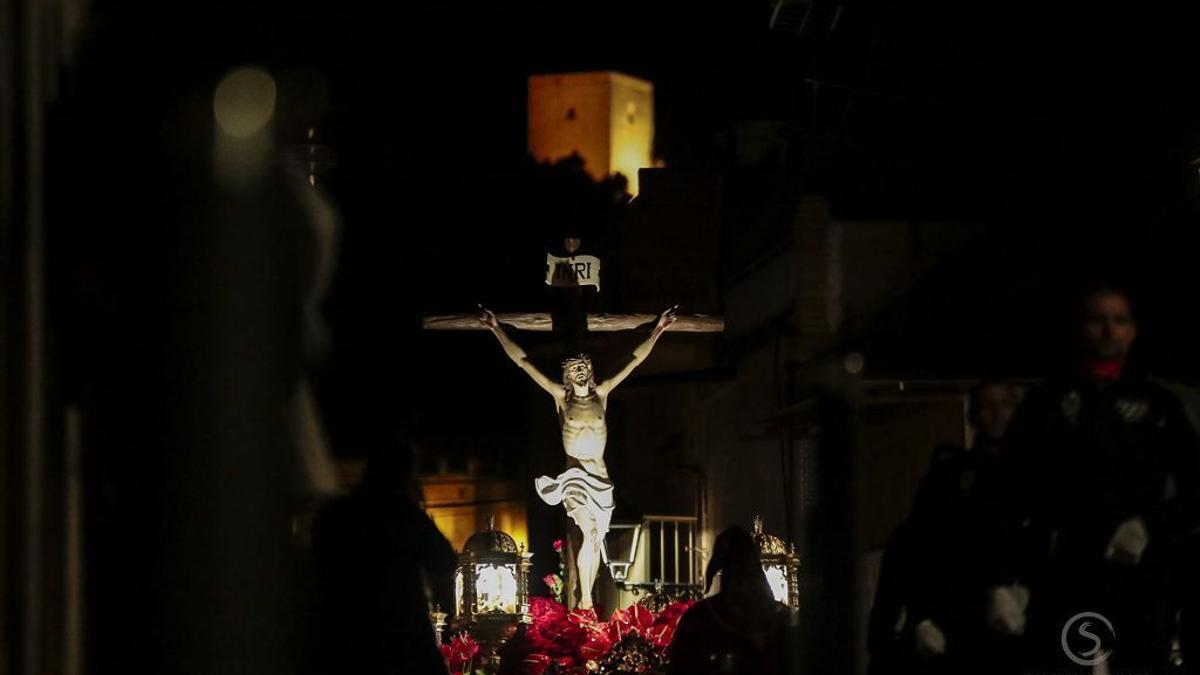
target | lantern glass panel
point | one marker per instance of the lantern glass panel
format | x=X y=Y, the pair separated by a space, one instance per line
x=777 y=578
x=496 y=588
x=458 y=593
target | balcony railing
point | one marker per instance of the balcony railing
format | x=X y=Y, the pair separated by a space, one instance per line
x=661 y=555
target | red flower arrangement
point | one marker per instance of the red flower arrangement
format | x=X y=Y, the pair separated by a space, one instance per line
x=559 y=642
x=577 y=642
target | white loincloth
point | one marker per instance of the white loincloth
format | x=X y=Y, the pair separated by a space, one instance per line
x=577 y=490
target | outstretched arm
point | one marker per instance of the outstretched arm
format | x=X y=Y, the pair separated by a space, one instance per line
x=518 y=355
x=643 y=350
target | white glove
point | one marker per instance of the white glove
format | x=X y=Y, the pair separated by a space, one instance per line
x=931 y=641
x=1128 y=542
x=1006 y=609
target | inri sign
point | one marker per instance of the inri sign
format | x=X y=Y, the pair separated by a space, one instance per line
x=578 y=270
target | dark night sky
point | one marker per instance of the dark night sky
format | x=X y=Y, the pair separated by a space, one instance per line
x=988 y=108
x=1005 y=89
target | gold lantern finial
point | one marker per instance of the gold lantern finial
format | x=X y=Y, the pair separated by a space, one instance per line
x=768 y=544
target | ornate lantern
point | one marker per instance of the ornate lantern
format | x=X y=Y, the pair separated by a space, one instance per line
x=780 y=564
x=491 y=585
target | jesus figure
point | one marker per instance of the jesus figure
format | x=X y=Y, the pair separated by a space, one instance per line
x=584 y=489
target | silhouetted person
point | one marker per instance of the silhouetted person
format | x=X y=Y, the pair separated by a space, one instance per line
x=1100 y=469
x=1187 y=581
x=376 y=552
x=929 y=610
x=737 y=630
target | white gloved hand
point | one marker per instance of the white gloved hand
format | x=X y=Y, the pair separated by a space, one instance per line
x=1006 y=609
x=1128 y=542
x=931 y=641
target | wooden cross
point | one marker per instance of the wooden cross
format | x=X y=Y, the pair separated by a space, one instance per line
x=542 y=321
x=572 y=321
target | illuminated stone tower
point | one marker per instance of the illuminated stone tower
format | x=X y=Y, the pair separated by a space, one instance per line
x=607 y=117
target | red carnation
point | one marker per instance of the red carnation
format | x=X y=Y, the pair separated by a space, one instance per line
x=558 y=544
x=596 y=647
x=661 y=635
x=583 y=617
x=635 y=617
x=463 y=647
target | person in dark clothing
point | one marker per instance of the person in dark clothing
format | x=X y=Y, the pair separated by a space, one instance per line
x=928 y=615
x=1100 y=479
x=736 y=630
x=1187 y=608
x=376 y=553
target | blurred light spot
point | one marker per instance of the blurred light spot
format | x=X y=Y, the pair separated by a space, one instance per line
x=854 y=363
x=244 y=102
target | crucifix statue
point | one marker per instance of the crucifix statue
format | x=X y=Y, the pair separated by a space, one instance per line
x=584 y=488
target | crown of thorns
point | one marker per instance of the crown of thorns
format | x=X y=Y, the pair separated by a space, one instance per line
x=576 y=360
